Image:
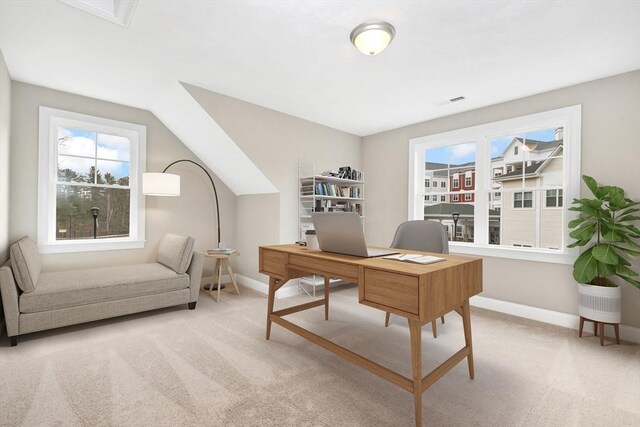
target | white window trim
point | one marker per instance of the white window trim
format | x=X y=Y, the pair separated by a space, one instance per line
x=467 y=197
x=50 y=120
x=557 y=197
x=533 y=200
x=568 y=118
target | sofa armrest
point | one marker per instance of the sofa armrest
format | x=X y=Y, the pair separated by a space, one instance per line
x=10 y=301
x=195 y=274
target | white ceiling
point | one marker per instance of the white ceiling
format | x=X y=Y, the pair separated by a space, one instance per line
x=296 y=57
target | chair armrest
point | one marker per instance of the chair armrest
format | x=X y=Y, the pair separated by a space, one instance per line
x=195 y=274
x=10 y=301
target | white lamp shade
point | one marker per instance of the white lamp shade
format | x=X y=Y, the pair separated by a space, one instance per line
x=160 y=184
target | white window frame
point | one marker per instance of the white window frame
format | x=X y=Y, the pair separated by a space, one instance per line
x=50 y=120
x=455 y=197
x=456 y=183
x=568 y=118
x=523 y=207
x=467 y=197
x=468 y=179
x=443 y=184
x=557 y=197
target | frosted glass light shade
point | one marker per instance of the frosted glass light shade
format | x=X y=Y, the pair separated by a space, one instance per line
x=371 y=38
x=160 y=184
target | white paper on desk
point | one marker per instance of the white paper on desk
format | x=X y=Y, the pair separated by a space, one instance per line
x=415 y=258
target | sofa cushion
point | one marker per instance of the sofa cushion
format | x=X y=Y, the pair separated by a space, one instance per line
x=79 y=287
x=175 y=252
x=25 y=263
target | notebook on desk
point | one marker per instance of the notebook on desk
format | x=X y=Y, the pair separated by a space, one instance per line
x=341 y=232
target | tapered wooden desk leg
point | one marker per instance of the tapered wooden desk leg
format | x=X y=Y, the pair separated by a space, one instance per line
x=386 y=319
x=415 y=330
x=466 y=323
x=434 y=328
x=270 y=300
x=326 y=297
x=617 y=329
x=232 y=275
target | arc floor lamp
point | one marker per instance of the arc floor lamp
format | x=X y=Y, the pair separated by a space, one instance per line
x=168 y=184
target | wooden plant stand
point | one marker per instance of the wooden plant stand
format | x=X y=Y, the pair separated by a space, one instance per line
x=598 y=329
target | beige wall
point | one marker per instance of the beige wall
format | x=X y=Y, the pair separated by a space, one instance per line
x=275 y=142
x=5 y=136
x=610 y=153
x=192 y=213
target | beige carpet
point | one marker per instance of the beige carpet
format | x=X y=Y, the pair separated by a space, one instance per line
x=212 y=366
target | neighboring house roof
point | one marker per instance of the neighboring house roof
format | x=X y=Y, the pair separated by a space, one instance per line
x=536 y=146
x=443 y=169
x=446 y=209
x=534 y=169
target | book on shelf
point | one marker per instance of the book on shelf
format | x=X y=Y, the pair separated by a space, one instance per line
x=415 y=258
x=337 y=206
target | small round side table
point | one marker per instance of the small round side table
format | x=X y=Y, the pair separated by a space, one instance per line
x=221 y=260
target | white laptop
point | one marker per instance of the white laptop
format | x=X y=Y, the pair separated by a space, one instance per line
x=341 y=232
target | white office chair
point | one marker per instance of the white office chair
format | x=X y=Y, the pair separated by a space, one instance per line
x=421 y=235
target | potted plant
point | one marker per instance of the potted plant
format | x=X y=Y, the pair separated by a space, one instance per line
x=605 y=228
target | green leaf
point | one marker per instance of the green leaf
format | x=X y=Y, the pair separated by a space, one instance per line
x=634 y=282
x=578 y=243
x=576 y=222
x=586 y=267
x=628 y=251
x=585 y=232
x=591 y=183
x=629 y=218
x=612 y=234
x=606 y=254
x=624 y=270
x=630 y=211
x=606 y=269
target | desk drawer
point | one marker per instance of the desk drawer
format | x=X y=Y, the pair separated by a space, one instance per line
x=273 y=262
x=391 y=289
x=333 y=268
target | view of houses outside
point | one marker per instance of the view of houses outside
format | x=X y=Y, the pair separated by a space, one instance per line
x=526 y=189
x=93 y=172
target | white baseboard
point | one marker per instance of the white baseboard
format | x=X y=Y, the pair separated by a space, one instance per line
x=571 y=321
x=286 y=291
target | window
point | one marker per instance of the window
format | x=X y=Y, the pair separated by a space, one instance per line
x=456 y=198
x=554 y=199
x=426 y=198
x=88 y=183
x=515 y=150
x=427 y=183
x=443 y=198
x=523 y=200
x=467 y=182
x=443 y=184
x=456 y=183
x=511 y=192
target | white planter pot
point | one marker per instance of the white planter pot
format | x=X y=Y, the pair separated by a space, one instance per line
x=599 y=303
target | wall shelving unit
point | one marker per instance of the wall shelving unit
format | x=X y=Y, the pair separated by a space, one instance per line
x=317 y=192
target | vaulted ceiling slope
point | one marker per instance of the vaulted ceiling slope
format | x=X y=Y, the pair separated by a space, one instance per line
x=296 y=57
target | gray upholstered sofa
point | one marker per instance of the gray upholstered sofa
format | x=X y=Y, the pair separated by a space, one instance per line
x=35 y=301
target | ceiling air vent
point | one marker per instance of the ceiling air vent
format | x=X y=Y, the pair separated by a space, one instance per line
x=456 y=99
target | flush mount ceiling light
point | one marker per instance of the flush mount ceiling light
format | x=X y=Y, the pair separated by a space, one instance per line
x=373 y=37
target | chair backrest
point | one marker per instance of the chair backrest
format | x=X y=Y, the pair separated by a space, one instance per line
x=421 y=235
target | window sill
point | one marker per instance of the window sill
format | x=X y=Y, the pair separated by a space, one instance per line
x=536 y=255
x=89 y=245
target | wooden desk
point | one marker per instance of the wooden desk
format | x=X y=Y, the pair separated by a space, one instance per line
x=421 y=293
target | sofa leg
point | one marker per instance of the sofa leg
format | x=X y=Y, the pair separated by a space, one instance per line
x=192 y=305
x=14 y=340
